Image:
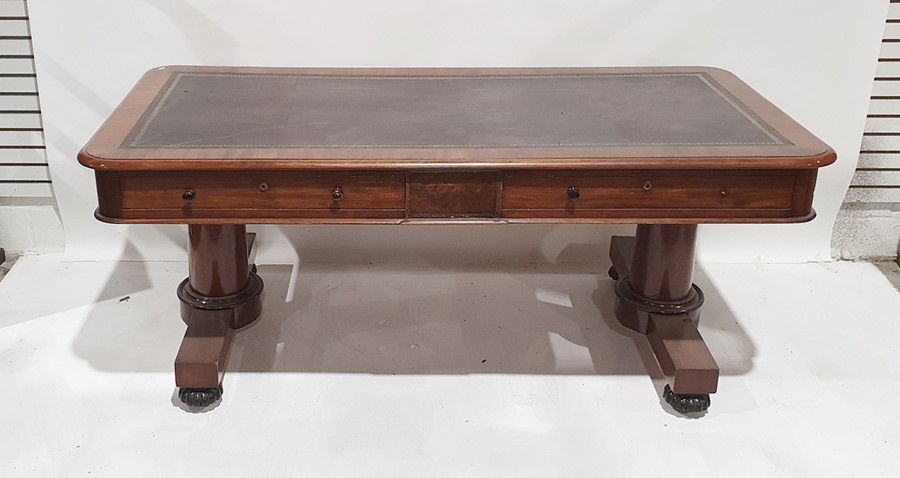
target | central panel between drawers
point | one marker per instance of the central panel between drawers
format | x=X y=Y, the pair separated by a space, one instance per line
x=452 y=194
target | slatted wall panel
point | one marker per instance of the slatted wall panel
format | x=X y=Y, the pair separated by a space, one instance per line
x=23 y=160
x=877 y=177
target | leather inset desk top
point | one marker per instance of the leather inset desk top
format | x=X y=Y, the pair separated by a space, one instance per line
x=230 y=118
x=210 y=110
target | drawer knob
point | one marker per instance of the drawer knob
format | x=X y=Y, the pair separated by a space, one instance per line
x=188 y=195
x=337 y=194
x=263 y=186
x=648 y=185
x=573 y=193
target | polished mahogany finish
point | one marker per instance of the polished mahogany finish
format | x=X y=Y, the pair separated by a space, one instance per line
x=666 y=148
x=217 y=264
x=677 y=196
x=664 y=267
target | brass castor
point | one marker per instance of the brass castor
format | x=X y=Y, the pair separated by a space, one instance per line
x=683 y=403
x=200 y=397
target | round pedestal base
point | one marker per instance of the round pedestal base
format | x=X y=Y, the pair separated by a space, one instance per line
x=246 y=304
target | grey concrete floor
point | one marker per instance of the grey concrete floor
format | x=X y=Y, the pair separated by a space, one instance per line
x=890 y=269
x=471 y=371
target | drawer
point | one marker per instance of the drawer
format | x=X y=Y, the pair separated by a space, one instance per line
x=594 y=192
x=259 y=194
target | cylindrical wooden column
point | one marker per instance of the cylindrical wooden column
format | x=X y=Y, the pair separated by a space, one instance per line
x=663 y=264
x=218 y=259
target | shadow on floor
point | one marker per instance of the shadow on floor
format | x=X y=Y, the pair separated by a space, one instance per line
x=403 y=319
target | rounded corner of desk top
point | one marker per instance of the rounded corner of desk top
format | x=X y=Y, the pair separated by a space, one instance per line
x=827 y=157
x=87 y=159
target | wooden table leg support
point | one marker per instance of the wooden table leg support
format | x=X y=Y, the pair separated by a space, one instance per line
x=655 y=296
x=221 y=295
x=201 y=360
x=685 y=360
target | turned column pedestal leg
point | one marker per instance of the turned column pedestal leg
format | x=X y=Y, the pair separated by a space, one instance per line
x=655 y=296
x=220 y=295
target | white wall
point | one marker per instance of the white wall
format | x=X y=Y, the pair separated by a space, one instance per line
x=813 y=59
x=868 y=224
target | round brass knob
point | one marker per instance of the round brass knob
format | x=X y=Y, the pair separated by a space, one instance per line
x=263 y=186
x=337 y=194
x=648 y=185
x=573 y=193
x=188 y=195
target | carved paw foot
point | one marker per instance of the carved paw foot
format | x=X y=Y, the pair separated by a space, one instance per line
x=686 y=403
x=199 y=397
x=613 y=273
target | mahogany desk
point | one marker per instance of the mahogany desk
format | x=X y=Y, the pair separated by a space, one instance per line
x=663 y=148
